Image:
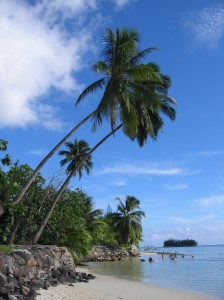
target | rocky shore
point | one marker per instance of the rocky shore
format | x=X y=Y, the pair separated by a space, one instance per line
x=25 y=271
x=108 y=254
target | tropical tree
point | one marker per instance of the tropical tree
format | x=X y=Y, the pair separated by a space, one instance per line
x=127 y=220
x=126 y=80
x=135 y=93
x=131 y=88
x=94 y=221
x=15 y=217
x=74 y=157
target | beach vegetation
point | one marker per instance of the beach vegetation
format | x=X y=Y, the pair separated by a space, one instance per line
x=179 y=243
x=76 y=164
x=127 y=221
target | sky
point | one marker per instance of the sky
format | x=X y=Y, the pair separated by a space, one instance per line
x=47 y=49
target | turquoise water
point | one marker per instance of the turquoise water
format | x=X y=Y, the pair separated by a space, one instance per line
x=201 y=270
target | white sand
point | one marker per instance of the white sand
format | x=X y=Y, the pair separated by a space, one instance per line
x=111 y=288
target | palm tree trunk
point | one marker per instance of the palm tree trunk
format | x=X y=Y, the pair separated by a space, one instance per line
x=65 y=184
x=14 y=231
x=42 y=163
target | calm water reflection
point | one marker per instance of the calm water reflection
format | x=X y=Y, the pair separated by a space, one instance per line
x=201 y=270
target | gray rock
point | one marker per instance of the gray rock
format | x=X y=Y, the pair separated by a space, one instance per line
x=3 y=279
x=24 y=290
x=11 y=297
x=9 y=286
x=18 y=259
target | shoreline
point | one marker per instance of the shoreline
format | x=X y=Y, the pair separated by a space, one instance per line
x=105 y=287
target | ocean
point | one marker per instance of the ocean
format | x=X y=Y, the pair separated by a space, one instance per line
x=201 y=270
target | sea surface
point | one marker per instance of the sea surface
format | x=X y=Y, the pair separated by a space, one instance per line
x=201 y=270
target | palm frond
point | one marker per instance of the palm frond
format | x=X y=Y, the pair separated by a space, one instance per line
x=94 y=87
x=139 y=56
x=101 y=67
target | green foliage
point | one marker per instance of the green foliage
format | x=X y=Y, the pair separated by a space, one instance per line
x=134 y=92
x=74 y=223
x=15 y=177
x=127 y=221
x=110 y=236
x=179 y=243
x=3 y=145
x=74 y=156
x=6 y=249
x=6 y=161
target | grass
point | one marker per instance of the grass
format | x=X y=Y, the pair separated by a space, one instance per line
x=6 y=249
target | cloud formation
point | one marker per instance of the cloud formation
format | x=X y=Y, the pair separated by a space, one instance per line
x=206 y=153
x=207 y=24
x=180 y=186
x=192 y=220
x=138 y=169
x=38 y=152
x=38 y=53
x=121 y=3
x=216 y=200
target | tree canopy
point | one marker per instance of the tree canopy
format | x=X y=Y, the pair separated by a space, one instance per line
x=179 y=243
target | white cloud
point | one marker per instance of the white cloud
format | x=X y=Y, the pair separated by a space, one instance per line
x=37 y=54
x=122 y=3
x=180 y=186
x=121 y=182
x=132 y=169
x=206 y=153
x=156 y=237
x=211 y=201
x=207 y=25
x=95 y=187
x=192 y=220
x=38 y=152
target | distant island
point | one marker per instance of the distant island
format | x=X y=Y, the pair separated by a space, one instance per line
x=179 y=243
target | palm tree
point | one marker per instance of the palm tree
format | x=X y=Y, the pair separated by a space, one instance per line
x=127 y=220
x=74 y=155
x=48 y=156
x=126 y=82
x=126 y=79
x=76 y=164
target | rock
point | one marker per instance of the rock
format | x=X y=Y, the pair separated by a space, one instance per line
x=26 y=270
x=3 y=292
x=18 y=259
x=11 y=297
x=90 y=276
x=9 y=286
x=24 y=290
x=3 y=279
x=107 y=254
x=2 y=265
x=13 y=280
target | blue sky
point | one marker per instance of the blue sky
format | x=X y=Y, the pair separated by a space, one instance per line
x=47 y=49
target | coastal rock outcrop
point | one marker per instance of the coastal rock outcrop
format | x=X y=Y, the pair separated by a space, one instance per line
x=26 y=270
x=108 y=254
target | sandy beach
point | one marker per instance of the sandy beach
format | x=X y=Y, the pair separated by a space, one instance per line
x=111 y=288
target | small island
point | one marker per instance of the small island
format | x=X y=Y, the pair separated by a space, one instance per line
x=179 y=243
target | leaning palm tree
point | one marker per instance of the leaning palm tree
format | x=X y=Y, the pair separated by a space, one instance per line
x=125 y=80
x=127 y=220
x=73 y=157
